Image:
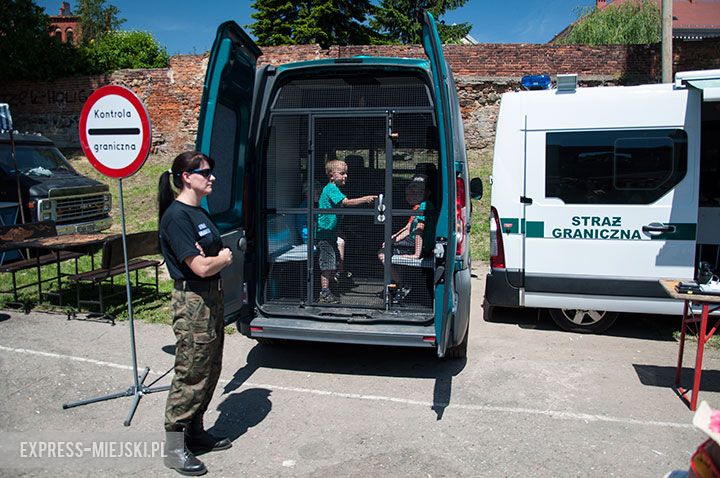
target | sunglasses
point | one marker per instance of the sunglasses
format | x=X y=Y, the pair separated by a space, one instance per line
x=206 y=173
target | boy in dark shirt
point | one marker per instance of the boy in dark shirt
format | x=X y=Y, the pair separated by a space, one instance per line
x=416 y=238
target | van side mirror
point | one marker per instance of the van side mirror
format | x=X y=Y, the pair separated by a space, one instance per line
x=476 y=188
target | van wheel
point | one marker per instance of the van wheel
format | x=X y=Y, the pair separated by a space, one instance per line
x=583 y=321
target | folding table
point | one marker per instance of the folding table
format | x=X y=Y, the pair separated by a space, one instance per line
x=692 y=320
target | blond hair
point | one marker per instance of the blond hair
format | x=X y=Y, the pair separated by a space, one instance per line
x=334 y=165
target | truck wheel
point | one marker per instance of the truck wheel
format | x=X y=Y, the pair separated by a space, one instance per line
x=583 y=321
x=460 y=350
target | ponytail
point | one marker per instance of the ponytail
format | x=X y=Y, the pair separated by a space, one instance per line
x=166 y=195
x=186 y=161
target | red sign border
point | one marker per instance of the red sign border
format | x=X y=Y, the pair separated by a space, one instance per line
x=142 y=155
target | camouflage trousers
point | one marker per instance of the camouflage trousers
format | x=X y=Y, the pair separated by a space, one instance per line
x=200 y=333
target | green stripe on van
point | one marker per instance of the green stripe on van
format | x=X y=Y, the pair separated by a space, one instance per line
x=510 y=225
x=535 y=229
x=683 y=232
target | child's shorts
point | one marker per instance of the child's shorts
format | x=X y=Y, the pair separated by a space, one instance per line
x=404 y=247
x=328 y=255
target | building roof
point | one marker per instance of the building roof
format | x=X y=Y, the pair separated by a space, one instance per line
x=692 y=19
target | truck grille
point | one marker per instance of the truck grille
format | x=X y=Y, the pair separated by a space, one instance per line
x=81 y=208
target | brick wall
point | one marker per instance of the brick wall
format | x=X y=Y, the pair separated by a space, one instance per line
x=482 y=72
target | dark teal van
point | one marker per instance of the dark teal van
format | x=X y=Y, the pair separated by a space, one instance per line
x=395 y=123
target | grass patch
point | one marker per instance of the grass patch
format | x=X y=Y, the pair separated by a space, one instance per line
x=139 y=190
x=480 y=166
x=712 y=343
x=140 y=204
x=148 y=305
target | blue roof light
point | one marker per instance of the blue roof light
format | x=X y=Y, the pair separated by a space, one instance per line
x=536 y=82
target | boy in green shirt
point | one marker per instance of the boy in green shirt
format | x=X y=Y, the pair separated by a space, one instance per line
x=325 y=230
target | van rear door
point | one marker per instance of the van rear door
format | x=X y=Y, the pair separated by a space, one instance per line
x=445 y=230
x=223 y=134
x=611 y=198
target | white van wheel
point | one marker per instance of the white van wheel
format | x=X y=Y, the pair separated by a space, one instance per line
x=586 y=321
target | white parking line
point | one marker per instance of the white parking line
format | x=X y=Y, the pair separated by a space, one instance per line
x=584 y=417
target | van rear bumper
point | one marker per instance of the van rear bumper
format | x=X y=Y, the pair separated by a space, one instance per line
x=498 y=289
x=403 y=335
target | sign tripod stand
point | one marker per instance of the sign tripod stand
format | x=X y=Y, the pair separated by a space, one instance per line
x=116 y=141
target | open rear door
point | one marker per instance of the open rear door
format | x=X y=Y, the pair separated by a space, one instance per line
x=445 y=231
x=223 y=134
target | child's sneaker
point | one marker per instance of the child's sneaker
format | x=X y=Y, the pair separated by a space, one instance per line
x=327 y=297
x=400 y=294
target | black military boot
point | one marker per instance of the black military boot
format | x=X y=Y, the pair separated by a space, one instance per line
x=199 y=440
x=179 y=458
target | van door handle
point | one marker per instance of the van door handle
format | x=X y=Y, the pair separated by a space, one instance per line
x=658 y=228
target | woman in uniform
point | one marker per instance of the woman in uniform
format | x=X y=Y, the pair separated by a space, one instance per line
x=194 y=255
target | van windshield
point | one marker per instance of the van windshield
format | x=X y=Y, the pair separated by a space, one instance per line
x=34 y=160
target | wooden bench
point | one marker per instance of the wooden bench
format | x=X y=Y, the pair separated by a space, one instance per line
x=11 y=238
x=139 y=245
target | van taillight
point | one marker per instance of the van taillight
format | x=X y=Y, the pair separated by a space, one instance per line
x=497 y=251
x=460 y=211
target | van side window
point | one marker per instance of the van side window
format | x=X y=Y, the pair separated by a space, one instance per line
x=614 y=167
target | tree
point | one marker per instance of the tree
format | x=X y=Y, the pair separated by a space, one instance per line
x=126 y=49
x=326 y=22
x=631 y=22
x=97 y=19
x=26 y=48
x=274 y=21
x=398 y=21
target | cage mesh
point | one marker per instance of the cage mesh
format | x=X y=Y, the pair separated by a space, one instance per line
x=287 y=159
x=301 y=255
x=354 y=92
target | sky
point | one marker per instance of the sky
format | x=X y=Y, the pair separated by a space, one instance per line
x=189 y=26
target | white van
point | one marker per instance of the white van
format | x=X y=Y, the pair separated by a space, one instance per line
x=597 y=193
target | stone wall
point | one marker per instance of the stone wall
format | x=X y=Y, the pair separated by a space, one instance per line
x=482 y=72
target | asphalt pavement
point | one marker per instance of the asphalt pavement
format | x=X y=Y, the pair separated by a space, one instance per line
x=529 y=400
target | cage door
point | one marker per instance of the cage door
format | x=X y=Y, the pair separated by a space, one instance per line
x=349 y=163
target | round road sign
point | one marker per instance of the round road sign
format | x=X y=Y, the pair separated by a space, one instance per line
x=115 y=131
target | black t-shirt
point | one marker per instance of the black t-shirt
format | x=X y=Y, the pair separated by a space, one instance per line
x=180 y=228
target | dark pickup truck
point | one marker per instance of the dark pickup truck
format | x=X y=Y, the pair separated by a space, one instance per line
x=50 y=188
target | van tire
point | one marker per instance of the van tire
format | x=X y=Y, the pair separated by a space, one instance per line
x=591 y=321
x=460 y=350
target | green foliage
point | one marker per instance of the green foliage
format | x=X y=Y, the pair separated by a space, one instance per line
x=348 y=22
x=97 y=19
x=636 y=22
x=398 y=20
x=27 y=50
x=480 y=166
x=119 y=50
x=326 y=22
